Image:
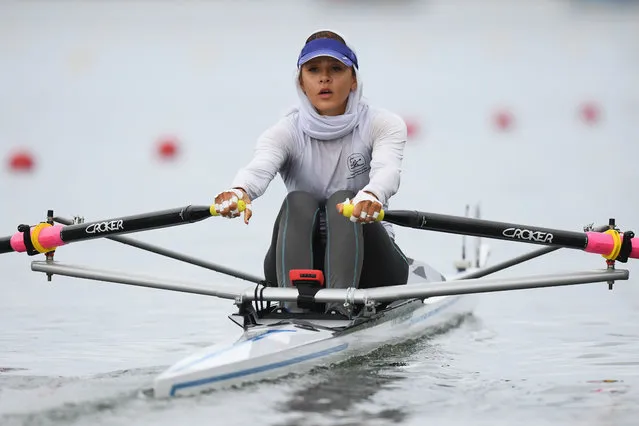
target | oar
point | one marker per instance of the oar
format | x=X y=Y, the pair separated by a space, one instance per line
x=45 y=237
x=611 y=244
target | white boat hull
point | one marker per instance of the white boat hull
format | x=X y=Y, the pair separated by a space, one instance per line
x=270 y=351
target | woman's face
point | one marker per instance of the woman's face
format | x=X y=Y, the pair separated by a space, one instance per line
x=327 y=83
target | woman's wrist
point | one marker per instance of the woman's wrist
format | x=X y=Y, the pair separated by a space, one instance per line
x=368 y=192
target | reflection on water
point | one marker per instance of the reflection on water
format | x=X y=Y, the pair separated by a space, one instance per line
x=336 y=392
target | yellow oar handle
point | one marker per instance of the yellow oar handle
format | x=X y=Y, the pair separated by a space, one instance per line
x=347 y=211
x=241 y=206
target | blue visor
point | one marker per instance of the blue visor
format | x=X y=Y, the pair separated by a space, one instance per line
x=327 y=47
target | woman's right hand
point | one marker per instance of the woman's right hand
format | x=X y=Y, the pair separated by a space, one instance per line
x=226 y=203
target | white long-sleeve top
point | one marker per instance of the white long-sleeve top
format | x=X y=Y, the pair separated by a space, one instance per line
x=369 y=158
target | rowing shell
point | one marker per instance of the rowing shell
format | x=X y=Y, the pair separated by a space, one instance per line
x=278 y=346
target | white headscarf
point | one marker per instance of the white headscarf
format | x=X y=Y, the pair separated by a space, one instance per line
x=324 y=127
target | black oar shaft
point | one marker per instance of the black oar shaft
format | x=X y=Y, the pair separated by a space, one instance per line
x=135 y=223
x=487 y=228
x=5 y=245
x=123 y=225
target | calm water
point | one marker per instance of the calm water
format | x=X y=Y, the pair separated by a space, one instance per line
x=90 y=95
x=525 y=358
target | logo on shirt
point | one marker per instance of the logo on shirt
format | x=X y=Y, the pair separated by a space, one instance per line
x=357 y=164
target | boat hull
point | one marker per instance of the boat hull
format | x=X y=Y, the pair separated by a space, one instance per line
x=277 y=349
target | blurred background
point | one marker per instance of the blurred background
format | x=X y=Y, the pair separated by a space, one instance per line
x=109 y=108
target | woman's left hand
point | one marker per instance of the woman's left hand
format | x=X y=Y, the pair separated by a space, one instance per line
x=366 y=207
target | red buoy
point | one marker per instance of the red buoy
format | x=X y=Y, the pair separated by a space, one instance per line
x=412 y=127
x=504 y=120
x=21 y=161
x=168 y=147
x=590 y=112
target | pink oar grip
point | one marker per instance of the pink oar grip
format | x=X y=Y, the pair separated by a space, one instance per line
x=601 y=243
x=634 y=253
x=49 y=238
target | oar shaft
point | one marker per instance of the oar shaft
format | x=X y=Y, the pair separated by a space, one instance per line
x=57 y=235
x=592 y=242
x=486 y=228
x=5 y=245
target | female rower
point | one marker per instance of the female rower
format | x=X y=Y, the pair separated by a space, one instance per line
x=334 y=148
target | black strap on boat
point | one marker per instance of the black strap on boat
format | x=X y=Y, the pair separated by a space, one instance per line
x=26 y=237
x=259 y=298
x=268 y=302
x=255 y=300
x=626 y=247
x=306 y=296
